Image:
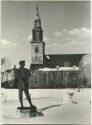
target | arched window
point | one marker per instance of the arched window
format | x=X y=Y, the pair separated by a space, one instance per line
x=36 y=49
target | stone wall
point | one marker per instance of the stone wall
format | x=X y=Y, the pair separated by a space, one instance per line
x=85 y=68
x=54 y=79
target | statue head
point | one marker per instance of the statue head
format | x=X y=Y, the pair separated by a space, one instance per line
x=22 y=63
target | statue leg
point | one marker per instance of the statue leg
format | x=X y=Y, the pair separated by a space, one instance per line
x=32 y=107
x=28 y=96
x=21 y=97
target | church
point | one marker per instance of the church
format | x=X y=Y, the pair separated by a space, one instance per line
x=38 y=57
x=40 y=60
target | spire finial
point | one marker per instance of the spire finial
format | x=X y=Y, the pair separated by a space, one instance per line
x=37 y=10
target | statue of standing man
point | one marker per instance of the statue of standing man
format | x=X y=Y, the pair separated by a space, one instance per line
x=22 y=74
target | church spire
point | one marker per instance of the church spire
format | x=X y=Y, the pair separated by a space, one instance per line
x=37 y=12
x=37 y=21
x=37 y=32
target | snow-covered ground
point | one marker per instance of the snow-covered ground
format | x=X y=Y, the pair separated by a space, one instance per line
x=56 y=106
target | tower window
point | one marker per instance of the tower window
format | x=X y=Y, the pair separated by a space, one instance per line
x=36 y=49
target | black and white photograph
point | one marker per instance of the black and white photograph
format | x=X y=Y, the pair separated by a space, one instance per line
x=45 y=62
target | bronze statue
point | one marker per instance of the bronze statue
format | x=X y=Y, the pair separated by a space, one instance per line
x=22 y=74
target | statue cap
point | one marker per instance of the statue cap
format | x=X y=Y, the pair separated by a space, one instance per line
x=21 y=62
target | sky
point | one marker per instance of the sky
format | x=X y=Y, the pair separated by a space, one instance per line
x=65 y=24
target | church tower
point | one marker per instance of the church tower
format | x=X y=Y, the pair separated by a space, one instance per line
x=37 y=44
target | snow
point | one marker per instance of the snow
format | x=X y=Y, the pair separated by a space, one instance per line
x=56 y=106
x=74 y=68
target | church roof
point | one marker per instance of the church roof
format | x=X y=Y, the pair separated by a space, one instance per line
x=60 y=59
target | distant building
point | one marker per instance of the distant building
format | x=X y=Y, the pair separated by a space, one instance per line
x=7 y=73
x=5 y=64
